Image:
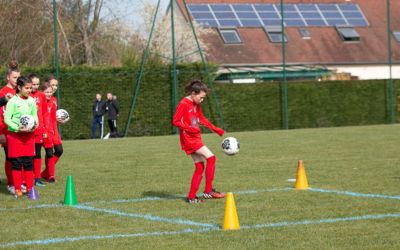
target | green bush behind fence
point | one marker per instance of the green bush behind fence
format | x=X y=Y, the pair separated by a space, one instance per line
x=244 y=107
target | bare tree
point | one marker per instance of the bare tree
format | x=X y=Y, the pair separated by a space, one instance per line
x=185 y=42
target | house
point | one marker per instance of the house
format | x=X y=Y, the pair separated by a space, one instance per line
x=349 y=37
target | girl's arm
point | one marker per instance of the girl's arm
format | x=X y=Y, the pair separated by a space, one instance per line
x=177 y=120
x=10 y=108
x=208 y=124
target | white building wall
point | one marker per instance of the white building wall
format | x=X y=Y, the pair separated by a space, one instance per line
x=368 y=72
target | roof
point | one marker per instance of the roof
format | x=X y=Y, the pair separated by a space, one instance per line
x=325 y=46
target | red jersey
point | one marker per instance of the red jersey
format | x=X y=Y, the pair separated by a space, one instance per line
x=41 y=106
x=4 y=91
x=49 y=116
x=187 y=118
x=57 y=138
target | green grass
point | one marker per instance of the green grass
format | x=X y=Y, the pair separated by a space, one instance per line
x=357 y=159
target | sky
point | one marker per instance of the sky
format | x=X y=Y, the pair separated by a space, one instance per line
x=128 y=11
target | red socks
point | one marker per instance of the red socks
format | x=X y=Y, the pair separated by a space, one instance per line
x=28 y=180
x=49 y=171
x=37 y=167
x=17 y=179
x=196 y=179
x=210 y=170
x=8 y=170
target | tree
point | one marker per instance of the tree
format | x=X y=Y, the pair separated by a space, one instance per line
x=161 y=43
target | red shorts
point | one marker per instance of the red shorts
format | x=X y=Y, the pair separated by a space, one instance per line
x=20 y=144
x=190 y=143
x=48 y=141
x=39 y=138
x=57 y=139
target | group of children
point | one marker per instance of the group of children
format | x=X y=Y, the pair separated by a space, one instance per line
x=23 y=146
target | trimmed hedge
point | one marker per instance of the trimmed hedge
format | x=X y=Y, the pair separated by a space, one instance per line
x=244 y=107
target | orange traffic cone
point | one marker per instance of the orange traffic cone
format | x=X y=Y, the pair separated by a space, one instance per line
x=301 y=179
x=231 y=220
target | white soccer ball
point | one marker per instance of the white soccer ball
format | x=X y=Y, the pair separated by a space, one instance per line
x=27 y=121
x=230 y=146
x=62 y=114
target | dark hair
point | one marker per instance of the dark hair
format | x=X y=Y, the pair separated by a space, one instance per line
x=50 y=77
x=33 y=75
x=45 y=86
x=12 y=67
x=22 y=81
x=196 y=86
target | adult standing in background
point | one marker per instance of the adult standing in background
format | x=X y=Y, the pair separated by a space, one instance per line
x=113 y=111
x=98 y=109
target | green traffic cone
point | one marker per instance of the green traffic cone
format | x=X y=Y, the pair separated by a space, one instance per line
x=70 y=196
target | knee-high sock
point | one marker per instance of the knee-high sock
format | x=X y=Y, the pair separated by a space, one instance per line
x=196 y=179
x=210 y=170
x=17 y=179
x=8 y=170
x=37 y=167
x=28 y=179
x=51 y=167
x=55 y=159
x=45 y=173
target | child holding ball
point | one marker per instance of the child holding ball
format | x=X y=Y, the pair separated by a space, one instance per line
x=21 y=140
x=187 y=118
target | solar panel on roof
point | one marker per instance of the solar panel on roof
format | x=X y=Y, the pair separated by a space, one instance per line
x=264 y=7
x=242 y=7
x=251 y=15
x=224 y=15
x=348 y=7
x=220 y=7
x=247 y=15
x=294 y=22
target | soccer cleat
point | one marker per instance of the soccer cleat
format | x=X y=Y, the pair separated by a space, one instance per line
x=39 y=183
x=11 y=190
x=18 y=194
x=213 y=195
x=51 y=180
x=23 y=188
x=194 y=200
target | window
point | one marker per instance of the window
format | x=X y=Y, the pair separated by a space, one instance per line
x=348 y=34
x=275 y=34
x=305 y=33
x=230 y=36
x=397 y=35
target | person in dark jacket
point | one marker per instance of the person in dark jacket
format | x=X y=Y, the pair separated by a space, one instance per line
x=98 y=109
x=112 y=111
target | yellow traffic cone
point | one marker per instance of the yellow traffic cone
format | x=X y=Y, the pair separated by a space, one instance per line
x=231 y=220
x=301 y=179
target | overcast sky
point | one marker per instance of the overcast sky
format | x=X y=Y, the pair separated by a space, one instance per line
x=128 y=11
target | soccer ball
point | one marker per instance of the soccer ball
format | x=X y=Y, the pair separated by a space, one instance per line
x=62 y=114
x=230 y=146
x=27 y=121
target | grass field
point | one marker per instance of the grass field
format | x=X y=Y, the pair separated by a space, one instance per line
x=130 y=194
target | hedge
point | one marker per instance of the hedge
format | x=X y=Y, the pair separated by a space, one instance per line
x=244 y=107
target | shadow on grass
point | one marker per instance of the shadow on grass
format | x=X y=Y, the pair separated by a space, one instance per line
x=163 y=195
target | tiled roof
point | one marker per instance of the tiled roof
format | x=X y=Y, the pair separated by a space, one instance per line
x=324 y=47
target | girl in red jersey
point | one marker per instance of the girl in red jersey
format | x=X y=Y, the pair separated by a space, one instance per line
x=21 y=140
x=49 y=116
x=49 y=174
x=187 y=118
x=41 y=106
x=12 y=75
